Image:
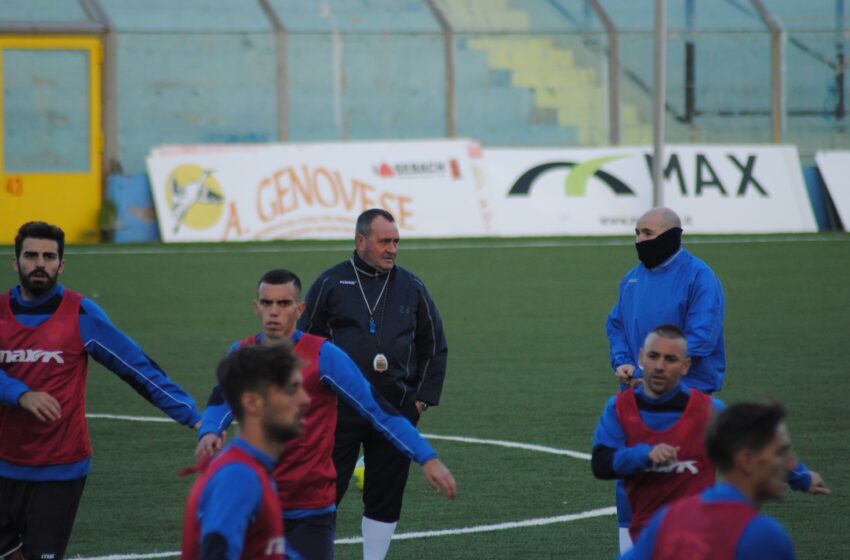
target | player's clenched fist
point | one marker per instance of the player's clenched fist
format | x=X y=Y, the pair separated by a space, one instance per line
x=41 y=405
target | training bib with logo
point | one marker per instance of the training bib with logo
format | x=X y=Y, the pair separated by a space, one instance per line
x=691 y=474
x=48 y=358
x=305 y=473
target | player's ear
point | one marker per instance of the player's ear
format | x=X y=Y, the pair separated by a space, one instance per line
x=360 y=242
x=300 y=309
x=687 y=365
x=743 y=460
x=252 y=403
x=15 y=265
x=640 y=358
x=61 y=267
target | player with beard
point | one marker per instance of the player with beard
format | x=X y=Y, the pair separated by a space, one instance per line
x=47 y=334
x=233 y=510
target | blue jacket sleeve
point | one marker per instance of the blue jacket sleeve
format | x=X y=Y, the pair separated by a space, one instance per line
x=11 y=389
x=799 y=478
x=118 y=353
x=646 y=541
x=704 y=323
x=342 y=375
x=217 y=415
x=614 y=328
x=229 y=501
x=764 y=539
x=609 y=433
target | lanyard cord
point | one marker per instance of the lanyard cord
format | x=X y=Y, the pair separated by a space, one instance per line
x=373 y=329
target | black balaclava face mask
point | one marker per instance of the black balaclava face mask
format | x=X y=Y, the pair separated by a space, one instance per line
x=655 y=251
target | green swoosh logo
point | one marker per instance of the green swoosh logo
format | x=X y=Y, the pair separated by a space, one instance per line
x=576 y=183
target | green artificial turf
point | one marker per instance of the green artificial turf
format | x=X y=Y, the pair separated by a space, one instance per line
x=528 y=362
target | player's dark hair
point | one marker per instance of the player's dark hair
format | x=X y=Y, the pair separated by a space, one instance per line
x=669 y=331
x=280 y=276
x=40 y=230
x=254 y=369
x=743 y=425
x=364 y=221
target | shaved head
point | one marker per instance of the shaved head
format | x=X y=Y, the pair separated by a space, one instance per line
x=655 y=222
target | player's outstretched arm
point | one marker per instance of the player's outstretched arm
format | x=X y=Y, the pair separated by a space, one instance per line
x=341 y=375
x=41 y=405
x=440 y=478
x=120 y=354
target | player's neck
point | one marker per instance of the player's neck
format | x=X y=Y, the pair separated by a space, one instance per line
x=744 y=486
x=275 y=339
x=256 y=438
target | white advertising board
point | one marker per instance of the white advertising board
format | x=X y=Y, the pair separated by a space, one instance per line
x=834 y=167
x=316 y=191
x=603 y=191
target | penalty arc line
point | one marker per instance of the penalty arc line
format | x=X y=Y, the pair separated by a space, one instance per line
x=536 y=522
x=495 y=442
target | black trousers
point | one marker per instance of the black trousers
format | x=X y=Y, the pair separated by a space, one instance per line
x=37 y=517
x=312 y=537
x=386 y=467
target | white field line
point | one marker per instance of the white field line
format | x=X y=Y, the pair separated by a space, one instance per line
x=513 y=445
x=280 y=247
x=496 y=442
x=537 y=522
x=129 y=418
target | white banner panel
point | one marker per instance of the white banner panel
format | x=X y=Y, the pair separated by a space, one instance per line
x=602 y=191
x=834 y=167
x=316 y=191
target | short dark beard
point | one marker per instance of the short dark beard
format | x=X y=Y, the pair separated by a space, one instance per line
x=281 y=434
x=37 y=290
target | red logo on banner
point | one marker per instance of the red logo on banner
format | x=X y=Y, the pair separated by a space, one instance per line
x=455 y=167
x=384 y=170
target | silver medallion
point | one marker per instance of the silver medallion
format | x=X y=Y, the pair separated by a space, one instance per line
x=380 y=363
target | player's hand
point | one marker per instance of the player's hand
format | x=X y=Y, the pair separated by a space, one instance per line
x=421 y=407
x=439 y=477
x=818 y=486
x=41 y=405
x=663 y=454
x=209 y=445
x=624 y=373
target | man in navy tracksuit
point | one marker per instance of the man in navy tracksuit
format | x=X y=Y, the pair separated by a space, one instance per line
x=47 y=334
x=383 y=317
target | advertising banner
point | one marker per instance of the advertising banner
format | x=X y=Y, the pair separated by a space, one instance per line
x=316 y=191
x=603 y=191
x=834 y=167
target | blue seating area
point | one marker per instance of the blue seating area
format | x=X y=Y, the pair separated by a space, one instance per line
x=526 y=72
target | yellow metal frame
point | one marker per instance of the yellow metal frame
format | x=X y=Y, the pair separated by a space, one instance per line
x=71 y=200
